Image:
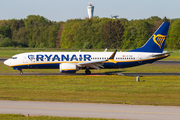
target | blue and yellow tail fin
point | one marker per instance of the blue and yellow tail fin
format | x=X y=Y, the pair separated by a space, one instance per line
x=157 y=40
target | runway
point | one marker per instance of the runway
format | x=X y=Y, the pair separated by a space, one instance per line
x=2 y=59
x=91 y=110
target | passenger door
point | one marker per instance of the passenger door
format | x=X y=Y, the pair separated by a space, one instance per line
x=25 y=59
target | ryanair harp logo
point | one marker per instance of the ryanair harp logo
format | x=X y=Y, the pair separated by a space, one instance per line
x=159 y=39
x=31 y=57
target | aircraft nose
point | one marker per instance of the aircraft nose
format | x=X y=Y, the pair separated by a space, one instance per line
x=7 y=62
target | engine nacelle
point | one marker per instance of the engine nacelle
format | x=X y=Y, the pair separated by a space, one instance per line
x=68 y=68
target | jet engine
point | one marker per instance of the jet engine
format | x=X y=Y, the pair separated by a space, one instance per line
x=68 y=68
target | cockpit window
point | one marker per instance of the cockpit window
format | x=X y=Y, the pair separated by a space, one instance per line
x=14 y=58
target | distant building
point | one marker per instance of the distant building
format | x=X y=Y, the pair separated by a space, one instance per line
x=114 y=16
x=90 y=10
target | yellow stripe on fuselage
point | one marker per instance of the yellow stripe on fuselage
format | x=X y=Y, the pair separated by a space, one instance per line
x=68 y=69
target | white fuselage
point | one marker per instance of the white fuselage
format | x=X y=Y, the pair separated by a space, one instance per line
x=123 y=59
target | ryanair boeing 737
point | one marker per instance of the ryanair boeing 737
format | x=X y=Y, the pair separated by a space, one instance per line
x=70 y=62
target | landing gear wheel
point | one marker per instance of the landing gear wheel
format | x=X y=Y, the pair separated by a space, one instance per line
x=88 y=72
x=21 y=72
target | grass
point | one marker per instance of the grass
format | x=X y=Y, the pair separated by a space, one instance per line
x=153 y=90
x=22 y=117
x=9 y=52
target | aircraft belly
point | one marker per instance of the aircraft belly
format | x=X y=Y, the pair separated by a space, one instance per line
x=39 y=66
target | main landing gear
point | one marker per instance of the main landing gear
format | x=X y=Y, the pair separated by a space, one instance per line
x=21 y=72
x=88 y=72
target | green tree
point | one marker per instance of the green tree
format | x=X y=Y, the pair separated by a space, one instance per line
x=136 y=34
x=58 y=39
x=35 y=20
x=3 y=22
x=112 y=35
x=67 y=37
x=5 y=30
x=21 y=23
x=52 y=34
x=7 y=42
x=173 y=40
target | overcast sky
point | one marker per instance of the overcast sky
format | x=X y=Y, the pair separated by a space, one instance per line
x=61 y=10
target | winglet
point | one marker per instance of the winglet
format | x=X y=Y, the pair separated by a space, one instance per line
x=111 y=58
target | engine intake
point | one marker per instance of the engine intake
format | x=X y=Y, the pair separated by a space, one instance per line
x=68 y=68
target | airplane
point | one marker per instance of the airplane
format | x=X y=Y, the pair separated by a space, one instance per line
x=70 y=62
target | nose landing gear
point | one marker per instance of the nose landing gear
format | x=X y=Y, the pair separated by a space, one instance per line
x=21 y=72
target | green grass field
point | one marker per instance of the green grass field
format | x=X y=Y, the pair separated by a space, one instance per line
x=22 y=117
x=152 y=90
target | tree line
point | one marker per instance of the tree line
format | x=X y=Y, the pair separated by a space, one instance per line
x=35 y=31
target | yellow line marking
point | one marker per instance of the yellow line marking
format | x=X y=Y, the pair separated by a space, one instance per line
x=89 y=110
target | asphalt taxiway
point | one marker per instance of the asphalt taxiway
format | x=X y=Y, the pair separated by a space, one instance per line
x=2 y=59
x=90 y=110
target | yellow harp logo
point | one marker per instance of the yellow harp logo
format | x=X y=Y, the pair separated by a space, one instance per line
x=159 y=39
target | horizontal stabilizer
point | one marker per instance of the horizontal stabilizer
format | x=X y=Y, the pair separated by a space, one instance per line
x=162 y=54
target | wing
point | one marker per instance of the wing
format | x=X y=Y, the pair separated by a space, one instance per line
x=97 y=64
x=92 y=64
